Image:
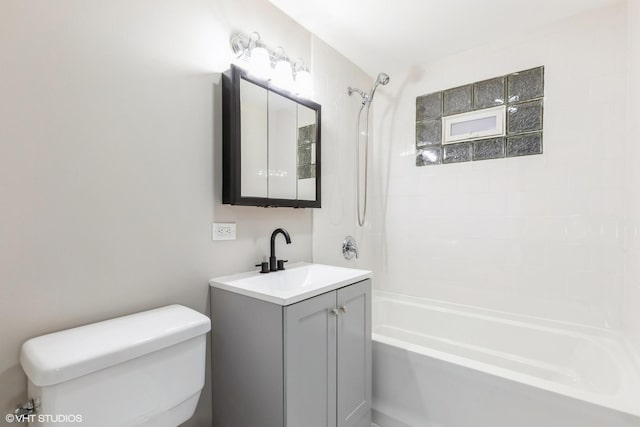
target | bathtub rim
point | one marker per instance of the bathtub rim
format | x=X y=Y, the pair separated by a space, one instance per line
x=618 y=401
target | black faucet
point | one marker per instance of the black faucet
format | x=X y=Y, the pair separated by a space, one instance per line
x=275 y=265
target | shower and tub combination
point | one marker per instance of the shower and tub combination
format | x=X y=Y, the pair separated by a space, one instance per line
x=441 y=364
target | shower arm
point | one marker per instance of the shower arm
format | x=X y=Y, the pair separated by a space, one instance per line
x=355 y=89
x=365 y=97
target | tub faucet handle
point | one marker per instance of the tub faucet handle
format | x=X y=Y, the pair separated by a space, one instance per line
x=350 y=248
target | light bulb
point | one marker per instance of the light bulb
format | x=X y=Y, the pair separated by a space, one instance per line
x=283 y=74
x=260 y=63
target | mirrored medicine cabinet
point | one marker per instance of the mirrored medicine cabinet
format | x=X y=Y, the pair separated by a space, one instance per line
x=271 y=144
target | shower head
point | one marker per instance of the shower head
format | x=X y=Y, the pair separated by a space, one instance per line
x=382 y=79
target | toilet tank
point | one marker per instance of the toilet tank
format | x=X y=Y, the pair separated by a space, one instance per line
x=146 y=369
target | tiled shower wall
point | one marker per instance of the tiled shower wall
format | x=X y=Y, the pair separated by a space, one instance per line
x=538 y=235
x=523 y=92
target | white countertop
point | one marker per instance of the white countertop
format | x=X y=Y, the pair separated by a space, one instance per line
x=298 y=282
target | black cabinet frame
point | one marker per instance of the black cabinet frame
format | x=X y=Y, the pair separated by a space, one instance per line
x=231 y=137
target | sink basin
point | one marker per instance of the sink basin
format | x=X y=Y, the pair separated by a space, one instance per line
x=298 y=282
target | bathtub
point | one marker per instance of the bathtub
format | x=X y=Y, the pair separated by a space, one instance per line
x=445 y=365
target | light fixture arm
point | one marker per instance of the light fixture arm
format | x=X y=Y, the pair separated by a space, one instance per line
x=299 y=66
x=278 y=53
x=243 y=46
x=253 y=38
x=239 y=45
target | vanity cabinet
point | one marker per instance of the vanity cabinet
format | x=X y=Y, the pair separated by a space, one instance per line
x=307 y=364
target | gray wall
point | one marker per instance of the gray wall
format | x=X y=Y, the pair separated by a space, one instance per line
x=632 y=235
x=110 y=162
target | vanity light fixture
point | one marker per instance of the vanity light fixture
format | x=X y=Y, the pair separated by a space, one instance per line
x=272 y=65
x=303 y=83
x=282 y=70
x=254 y=51
x=259 y=61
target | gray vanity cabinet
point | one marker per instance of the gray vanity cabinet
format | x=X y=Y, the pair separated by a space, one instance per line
x=310 y=347
x=354 y=355
x=303 y=365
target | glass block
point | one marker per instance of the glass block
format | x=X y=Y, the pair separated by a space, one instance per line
x=429 y=106
x=524 y=145
x=457 y=100
x=429 y=156
x=526 y=85
x=304 y=154
x=488 y=149
x=306 y=171
x=525 y=117
x=307 y=134
x=489 y=93
x=428 y=132
x=456 y=153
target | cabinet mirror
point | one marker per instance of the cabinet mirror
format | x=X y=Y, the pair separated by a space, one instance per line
x=271 y=144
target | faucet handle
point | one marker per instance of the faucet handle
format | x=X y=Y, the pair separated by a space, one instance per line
x=264 y=267
x=350 y=248
x=281 y=263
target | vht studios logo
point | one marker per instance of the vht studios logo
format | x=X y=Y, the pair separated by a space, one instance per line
x=44 y=418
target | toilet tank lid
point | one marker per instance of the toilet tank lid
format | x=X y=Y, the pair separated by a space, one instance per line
x=65 y=355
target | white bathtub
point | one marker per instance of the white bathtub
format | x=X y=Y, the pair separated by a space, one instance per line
x=444 y=365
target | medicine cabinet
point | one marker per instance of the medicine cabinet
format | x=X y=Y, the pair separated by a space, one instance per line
x=271 y=144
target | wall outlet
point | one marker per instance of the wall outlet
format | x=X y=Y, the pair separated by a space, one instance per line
x=223 y=231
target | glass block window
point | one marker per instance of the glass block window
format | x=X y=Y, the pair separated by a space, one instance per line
x=442 y=138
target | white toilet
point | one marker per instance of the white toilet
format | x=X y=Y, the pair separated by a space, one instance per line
x=147 y=369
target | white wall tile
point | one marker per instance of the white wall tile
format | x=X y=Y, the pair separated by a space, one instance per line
x=538 y=235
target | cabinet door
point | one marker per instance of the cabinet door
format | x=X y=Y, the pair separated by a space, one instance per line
x=310 y=362
x=354 y=355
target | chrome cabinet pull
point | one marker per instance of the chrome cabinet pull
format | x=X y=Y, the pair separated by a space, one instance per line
x=343 y=308
x=334 y=311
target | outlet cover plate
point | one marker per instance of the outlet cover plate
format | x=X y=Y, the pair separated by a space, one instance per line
x=223 y=231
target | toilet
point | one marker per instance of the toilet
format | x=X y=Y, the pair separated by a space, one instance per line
x=146 y=369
